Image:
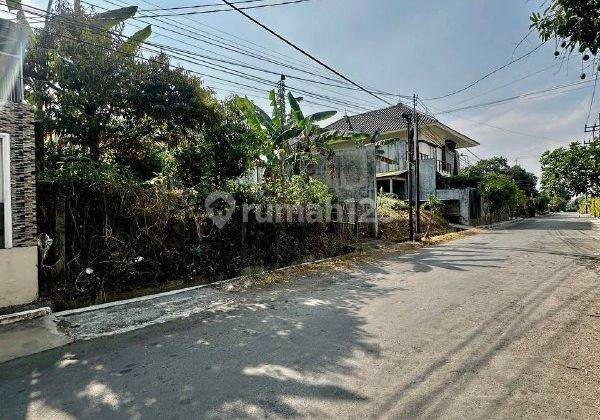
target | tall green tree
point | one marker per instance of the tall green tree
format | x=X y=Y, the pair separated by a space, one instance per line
x=95 y=94
x=208 y=159
x=571 y=171
x=73 y=44
x=501 y=194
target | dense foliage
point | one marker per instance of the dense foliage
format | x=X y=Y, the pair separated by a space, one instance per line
x=501 y=193
x=571 y=171
x=506 y=189
x=112 y=239
x=99 y=103
x=574 y=23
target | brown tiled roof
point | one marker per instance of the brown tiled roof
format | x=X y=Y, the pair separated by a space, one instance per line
x=384 y=120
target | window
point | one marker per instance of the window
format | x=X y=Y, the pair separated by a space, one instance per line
x=5 y=194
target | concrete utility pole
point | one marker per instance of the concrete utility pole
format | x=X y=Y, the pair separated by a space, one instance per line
x=592 y=129
x=281 y=97
x=417 y=164
x=409 y=175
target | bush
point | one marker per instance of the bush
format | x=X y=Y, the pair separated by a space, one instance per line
x=591 y=206
x=79 y=170
x=299 y=190
x=542 y=202
x=387 y=204
x=558 y=203
x=121 y=237
x=501 y=194
x=595 y=207
x=393 y=219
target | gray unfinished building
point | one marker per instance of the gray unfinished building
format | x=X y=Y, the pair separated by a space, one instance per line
x=439 y=156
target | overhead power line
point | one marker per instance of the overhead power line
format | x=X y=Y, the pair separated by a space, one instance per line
x=216 y=40
x=521 y=96
x=233 y=72
x=185 y=57
x=200 y=6
x=202 y=12
x=189 y=32
x=470 y=98
x=302 y=51
x=520 y=133
x=485 y=76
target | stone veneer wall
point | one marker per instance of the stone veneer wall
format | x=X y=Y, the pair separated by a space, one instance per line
x=16 y=119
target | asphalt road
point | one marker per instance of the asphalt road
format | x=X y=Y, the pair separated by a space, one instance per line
x=502 y=324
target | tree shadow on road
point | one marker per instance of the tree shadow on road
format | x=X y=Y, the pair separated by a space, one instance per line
x=257 y=358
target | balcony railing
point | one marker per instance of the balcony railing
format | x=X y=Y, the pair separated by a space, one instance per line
x=444 y=166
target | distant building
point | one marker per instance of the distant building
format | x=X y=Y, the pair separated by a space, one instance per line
x=18 y=232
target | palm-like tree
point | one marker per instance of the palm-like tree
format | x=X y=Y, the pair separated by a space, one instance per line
x=293 y=140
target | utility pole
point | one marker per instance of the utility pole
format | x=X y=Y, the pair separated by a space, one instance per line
x=281 y=98
x=417 y=165
x=409 y=174
x=593 y=129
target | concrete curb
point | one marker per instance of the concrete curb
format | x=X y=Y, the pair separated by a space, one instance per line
x=180 y=291
x=71 y=312
x=24 y=316
x=502 y=224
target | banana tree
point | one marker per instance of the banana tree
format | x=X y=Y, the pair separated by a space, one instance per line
x=294 y=140
x=275 y=130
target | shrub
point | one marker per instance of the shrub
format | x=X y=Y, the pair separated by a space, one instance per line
x=595 y=207
x=591 y=206
x=501 y=194
x=558 y=203
x=542 y=202
x=121 y=237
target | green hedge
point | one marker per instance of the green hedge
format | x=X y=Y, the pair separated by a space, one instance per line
x=591 y=206
x=595 y=207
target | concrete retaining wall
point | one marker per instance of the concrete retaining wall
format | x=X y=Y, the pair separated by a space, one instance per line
x=18 y=276
x=428 y=178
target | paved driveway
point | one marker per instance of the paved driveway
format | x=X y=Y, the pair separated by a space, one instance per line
x=500 y=324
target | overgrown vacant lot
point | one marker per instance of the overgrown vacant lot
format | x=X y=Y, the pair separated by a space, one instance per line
x=497 y=325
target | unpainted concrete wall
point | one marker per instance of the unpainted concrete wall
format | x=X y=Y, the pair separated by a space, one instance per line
x=18 y=276
x=353 y=176
x=428 y=178
x=463 y=196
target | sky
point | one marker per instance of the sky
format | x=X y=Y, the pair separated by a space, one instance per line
x=405 y=47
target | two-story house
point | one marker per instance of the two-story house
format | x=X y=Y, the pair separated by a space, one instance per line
x=439 y=147
x=18 y=242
